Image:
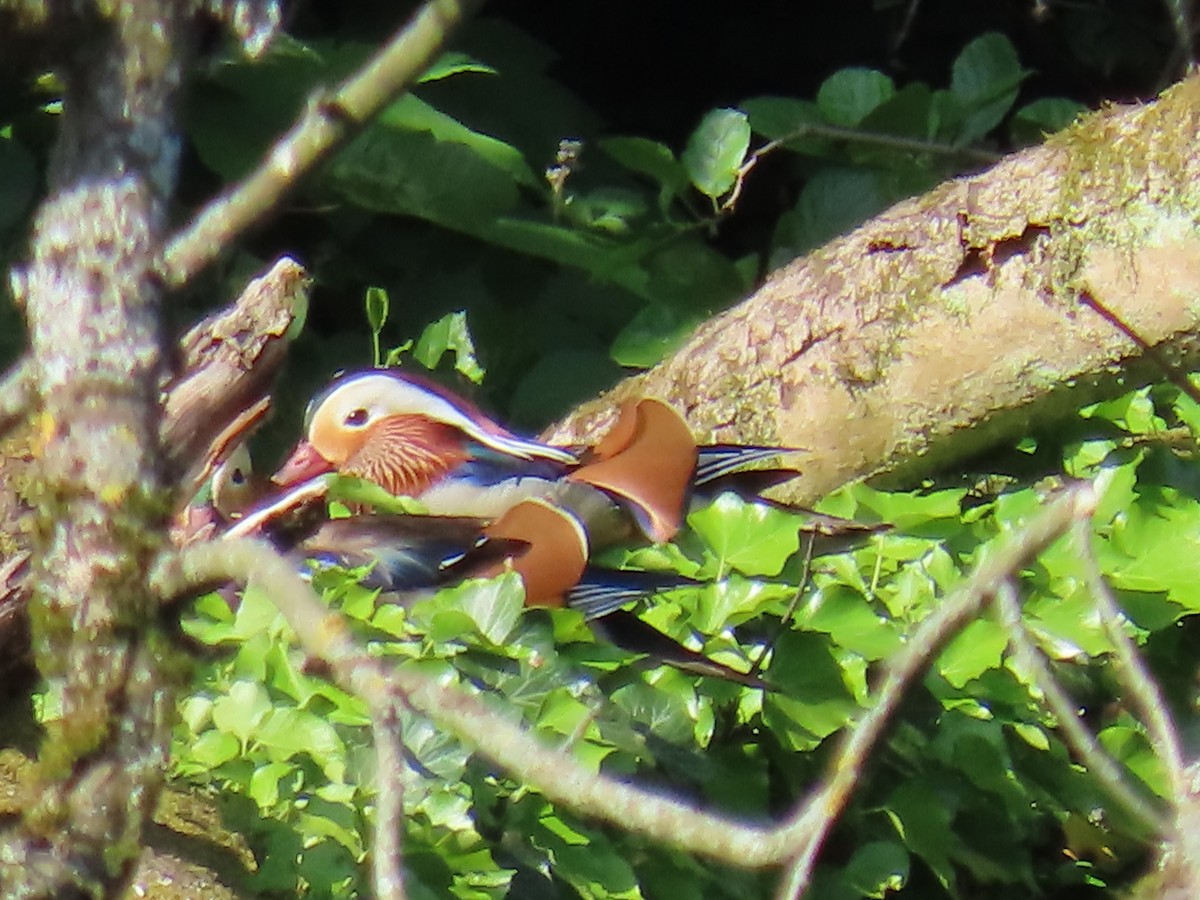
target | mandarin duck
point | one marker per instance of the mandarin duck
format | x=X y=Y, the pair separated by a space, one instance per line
x=413 y=437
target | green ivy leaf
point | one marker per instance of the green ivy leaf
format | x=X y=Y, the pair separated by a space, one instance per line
x=976 y=649
x=847 y=617
x=242 y=710
x=288 y=731
x=213 y=748
x=264 y=783
x=754 y=538
x=715 y=151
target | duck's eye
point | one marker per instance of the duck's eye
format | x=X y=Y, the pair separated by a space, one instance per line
x=356 y=418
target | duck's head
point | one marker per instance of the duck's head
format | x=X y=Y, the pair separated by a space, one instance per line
x=397 y=428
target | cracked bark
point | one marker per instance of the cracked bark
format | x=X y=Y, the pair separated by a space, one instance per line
x=951 y=323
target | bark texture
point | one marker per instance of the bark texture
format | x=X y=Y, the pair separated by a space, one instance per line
x=228 y=364
x=93 y=309
x=953 y=321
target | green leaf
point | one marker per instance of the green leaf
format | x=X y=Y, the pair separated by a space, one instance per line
x=1033 y=121
x=833 y=201
x=715 y=151
x=454 y=63
x=666 y=714
x=976 y=649
x=494 y=605
x=264 y=783
x=653 y=334
x=776 y=118
x=813 y=700
x=1154 y=547
x=242 y=710
x=754 y=538
x=878 y=869
x=1130 y=747
x=288 y=731
x=850 y=95
x=449 y=334
x=488 y=607
x=651 y=158
x=377 y=308
x=214 y=748
x=847 y=617
x=984 y=84
x=411 y=114
x=922 y=820
x=348 y=489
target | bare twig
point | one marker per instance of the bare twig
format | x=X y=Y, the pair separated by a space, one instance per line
x=1077 y=736
x=389 y=806
x=785 y=620
x=329 y=119
x=1174 y=374
x=853 y=135
x=1140 y=687
x=960 y=608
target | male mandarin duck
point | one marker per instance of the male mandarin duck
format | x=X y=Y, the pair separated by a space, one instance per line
x=413 y=437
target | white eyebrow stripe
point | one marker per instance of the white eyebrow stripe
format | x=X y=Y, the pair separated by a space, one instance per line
x=394 y=396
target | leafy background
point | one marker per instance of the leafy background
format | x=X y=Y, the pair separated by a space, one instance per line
x=567 y=279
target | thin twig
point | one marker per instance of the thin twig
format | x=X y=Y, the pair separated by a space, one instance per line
x=387 y=852
x=1077 y=735
x=1177 y=378
x=853 y=135
x=1141 y=690
x=786 y=619
x=329 y=120
x=935 y=630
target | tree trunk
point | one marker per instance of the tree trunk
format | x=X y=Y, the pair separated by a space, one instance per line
x=102 y=501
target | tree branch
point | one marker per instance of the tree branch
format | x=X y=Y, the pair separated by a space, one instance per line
x=950 y=323
x=329 y=120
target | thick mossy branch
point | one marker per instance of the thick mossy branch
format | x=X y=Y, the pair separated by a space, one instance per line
x=951 y=322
